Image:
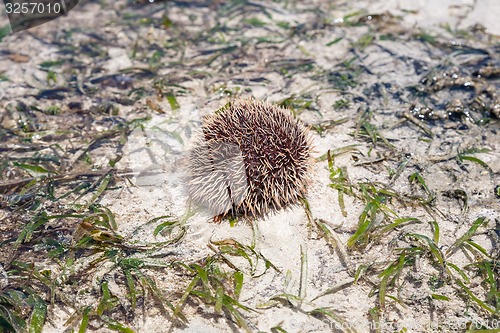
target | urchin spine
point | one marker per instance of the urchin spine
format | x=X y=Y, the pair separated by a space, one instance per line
x=250 y=158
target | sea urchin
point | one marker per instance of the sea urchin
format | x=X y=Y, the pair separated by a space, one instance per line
x=250 y=158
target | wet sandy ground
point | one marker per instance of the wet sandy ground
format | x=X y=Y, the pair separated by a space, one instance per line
x=392 y=94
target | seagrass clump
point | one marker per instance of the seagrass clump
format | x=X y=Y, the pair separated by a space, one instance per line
x=250 y=158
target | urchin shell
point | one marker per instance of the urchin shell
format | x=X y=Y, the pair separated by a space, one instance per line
x=250 y=158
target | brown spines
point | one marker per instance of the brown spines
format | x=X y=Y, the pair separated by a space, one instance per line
x=251 y=158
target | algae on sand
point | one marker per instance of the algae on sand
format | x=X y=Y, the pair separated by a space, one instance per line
x=401 y=220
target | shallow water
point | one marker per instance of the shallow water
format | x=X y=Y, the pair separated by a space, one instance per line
x=391 y=94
